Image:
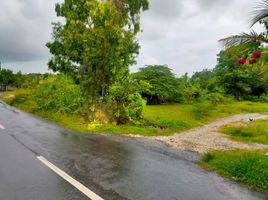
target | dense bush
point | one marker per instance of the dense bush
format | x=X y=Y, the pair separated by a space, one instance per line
x=59 y=93
x=125 y=103
x=263 y=98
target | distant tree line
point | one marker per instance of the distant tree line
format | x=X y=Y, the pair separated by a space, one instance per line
x=227 y=79
x=9 y=79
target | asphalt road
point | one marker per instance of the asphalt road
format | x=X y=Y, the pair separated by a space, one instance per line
x=112 y=167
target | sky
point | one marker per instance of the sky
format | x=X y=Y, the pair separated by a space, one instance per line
x=182 y=34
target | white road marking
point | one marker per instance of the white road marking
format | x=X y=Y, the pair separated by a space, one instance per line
x=69 y=179
x=2 y=127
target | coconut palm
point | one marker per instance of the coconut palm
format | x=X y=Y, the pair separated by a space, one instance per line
x=260 y=15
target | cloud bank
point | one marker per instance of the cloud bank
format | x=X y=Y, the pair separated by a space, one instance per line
x=180 y=33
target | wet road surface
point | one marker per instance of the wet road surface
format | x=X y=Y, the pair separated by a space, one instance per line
x=113 y=167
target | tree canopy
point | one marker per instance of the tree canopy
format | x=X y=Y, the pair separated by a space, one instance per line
x=162 y=80
x=96 y=43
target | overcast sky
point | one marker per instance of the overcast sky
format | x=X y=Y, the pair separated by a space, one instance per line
x=180 y=33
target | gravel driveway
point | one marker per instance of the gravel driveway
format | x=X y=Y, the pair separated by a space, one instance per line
x=206 y=138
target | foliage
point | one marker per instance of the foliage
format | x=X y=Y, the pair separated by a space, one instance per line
x=161 y=119
x=256 y=131
x=60 y=94
x=241 y=81
x=125 y=102
x=253 y=41
x=163 y=83
x=260 y=13
x=19 y=80
x=263 y=98
x=6 y=77
x=96 y=44
x=204 y=77
x=31 y=81
x=247 y=167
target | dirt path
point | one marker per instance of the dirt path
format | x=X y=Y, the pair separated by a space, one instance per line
x=206 y=138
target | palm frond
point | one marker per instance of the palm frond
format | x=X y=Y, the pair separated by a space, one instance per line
x=264 y=57
x=260 y=13
x=235 y=40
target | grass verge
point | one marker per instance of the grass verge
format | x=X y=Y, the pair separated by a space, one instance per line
x=255 y=131
x=248 y=167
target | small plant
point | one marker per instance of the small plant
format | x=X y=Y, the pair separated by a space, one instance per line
x=208 y=157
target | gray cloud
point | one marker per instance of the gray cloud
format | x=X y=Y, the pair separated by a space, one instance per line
x=25 y=29
x=165 y=9
x=180 y=33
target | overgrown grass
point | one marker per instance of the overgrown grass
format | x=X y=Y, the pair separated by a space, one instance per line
x=19 y=98
x=247 y=167
x=159 y=120
x=255 y=131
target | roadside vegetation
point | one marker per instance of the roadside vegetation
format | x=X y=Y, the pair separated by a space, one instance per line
x=255 y=131
x=249 y=167
x=156 y=120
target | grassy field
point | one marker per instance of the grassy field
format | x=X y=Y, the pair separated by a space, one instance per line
x=159 y=120
x=248 y=167
x=256 y=131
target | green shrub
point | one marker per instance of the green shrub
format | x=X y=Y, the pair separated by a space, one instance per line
x=215 y=98
x=263 y=98
x=60 y=94
x=125 y=103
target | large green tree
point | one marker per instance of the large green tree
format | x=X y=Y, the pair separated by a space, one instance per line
x=163 y=83
x=96 y=43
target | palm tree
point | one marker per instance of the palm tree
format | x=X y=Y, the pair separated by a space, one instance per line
x=260 y=15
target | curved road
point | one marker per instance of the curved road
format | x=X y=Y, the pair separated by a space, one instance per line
x=112 y=167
